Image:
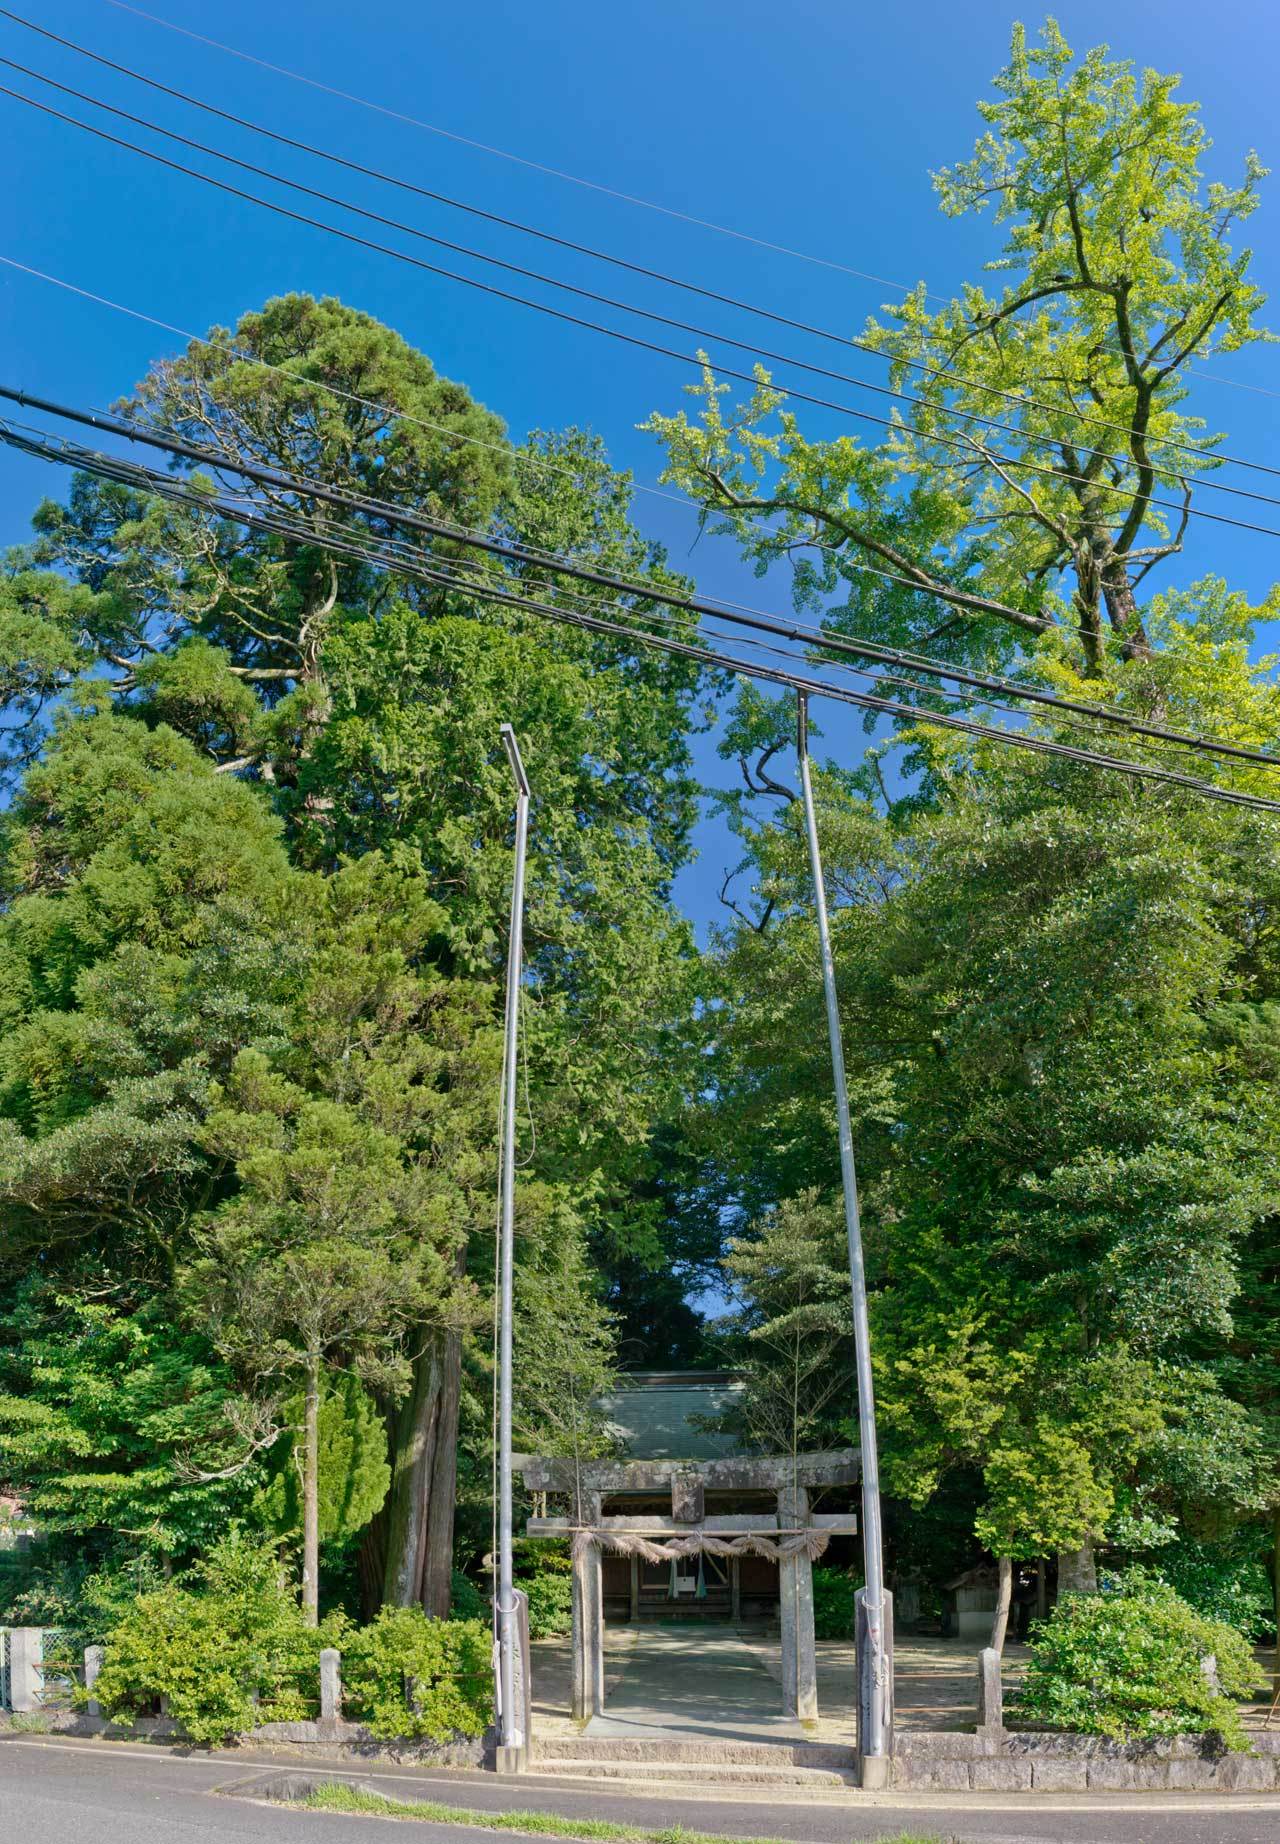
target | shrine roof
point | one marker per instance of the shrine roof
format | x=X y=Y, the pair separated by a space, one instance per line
x=656 y=1414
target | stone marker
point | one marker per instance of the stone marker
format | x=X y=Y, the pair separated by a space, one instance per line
x=990 y=1690
x=330 y=1684
x=26 y=1656
x=93 y=1656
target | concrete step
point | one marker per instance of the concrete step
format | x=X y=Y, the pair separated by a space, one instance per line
x=551 y=1752
x=700 y=1773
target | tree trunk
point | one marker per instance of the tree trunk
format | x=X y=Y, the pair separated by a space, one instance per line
x=311 y=1492
x=1004 y=1597
x=1078 y=1570
x=416 y=1536
x=1126 y=618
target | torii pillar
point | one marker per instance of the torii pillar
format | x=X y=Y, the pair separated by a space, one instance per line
x=588 y=1620
x=795 y=1601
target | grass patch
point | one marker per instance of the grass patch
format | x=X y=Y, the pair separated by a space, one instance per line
x=337 y=1796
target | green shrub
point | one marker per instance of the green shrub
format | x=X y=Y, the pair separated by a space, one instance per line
x=406 y=1675
x=227 y=1650
x=1222 y=1581
x=1127 y=1663
x=545 y=1573
x=466 y=1602
x=550 y=1605
x=833 y=1595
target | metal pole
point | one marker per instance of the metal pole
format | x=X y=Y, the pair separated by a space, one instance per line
x=509 y=1735
x=873 y=1697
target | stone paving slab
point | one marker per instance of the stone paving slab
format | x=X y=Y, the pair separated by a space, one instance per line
x=687 y=1679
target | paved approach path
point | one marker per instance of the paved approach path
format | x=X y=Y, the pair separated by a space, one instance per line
x=683 y=1679
x=676 y=1675
x=56 y=1791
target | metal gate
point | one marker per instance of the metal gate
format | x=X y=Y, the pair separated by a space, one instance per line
x=4 y=1668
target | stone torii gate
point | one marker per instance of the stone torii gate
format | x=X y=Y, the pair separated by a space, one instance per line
x=792 y=1534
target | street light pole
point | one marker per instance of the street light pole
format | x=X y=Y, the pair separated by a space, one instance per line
x=875 y=1655
x=510 y=1734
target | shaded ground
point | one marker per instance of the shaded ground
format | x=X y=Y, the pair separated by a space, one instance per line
x=695 y=1680
x=704 y=1678
x=1257 y=1715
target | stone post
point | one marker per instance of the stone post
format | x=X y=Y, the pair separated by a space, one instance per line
x=330 y=1684
x=93 y=1656
x=588 y=1621
x=873 y=1770
x=514 y=1758
x=26 y=1656
x=795 y=1588
x=990 y=1691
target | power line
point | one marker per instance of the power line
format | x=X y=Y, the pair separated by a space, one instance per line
x=1200 y=454
x=165 y=486
x=926 y=586
x=735 y=613
x=1082 y=720
x=591 y=185
x=483 y=147
x=939 y=669
x=168 y=487
x=969 y=447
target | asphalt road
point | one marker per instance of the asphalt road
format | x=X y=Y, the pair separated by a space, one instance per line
x=66 y=1792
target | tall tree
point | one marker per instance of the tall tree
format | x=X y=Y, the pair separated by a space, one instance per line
x=1122 y=276
x=1043 y=973
x=366 y=710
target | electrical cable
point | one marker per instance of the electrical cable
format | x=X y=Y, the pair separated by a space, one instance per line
x=1200 y=454
x=628 y=198
x=968 y=446
x=469 y=577
x=927 y=587
x=591 y=185
x=541 y=464
x=736 y=614
x=64 y=452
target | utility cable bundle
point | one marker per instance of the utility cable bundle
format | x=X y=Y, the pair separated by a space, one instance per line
x=397 y=556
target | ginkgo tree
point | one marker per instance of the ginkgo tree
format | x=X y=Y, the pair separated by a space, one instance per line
x=1042 y=460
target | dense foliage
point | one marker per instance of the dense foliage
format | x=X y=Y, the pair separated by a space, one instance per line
x=544 y=1573
x=834 y=1592
x=405 y=1675
x=1058 y=988
x=254 y=877
x=1136 y=1661
x=225 y=1651
x=229 y=1649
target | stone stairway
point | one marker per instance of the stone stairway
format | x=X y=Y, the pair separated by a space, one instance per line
x=695 y=1761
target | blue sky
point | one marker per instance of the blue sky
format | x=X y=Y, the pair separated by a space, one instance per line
x=811 y=125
